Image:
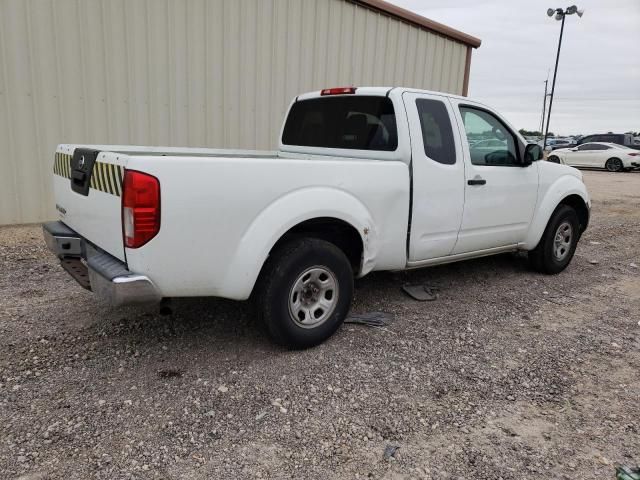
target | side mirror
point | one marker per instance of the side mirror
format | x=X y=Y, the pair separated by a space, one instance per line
x=532 y=153
x=574 y=149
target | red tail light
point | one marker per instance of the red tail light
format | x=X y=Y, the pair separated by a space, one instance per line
x=140 y=208
x=338 y=91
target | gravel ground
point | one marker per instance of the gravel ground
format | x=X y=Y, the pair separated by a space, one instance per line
x=508 y=375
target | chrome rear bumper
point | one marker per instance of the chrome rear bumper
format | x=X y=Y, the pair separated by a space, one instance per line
x=109 y=278
x=123 y=290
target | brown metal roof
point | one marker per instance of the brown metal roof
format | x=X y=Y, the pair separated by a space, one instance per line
x=419 y=21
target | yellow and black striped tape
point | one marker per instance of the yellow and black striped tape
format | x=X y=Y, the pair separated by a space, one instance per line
x=62 y=165
x=105 y=177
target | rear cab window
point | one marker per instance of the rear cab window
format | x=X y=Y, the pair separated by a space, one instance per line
x=356 y=122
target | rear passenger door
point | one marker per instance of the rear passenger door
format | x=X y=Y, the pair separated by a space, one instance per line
x=438 y=177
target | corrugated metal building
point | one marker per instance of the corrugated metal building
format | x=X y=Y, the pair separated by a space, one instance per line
x=216 y=73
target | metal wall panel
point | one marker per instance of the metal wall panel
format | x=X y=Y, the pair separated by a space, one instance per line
x=217 y=73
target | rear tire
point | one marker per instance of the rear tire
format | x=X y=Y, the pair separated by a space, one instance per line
x=614 y=165
x=554 y=159
x=558 y=243
x=305 y=292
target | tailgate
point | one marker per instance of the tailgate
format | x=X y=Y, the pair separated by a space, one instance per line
x=88 y=187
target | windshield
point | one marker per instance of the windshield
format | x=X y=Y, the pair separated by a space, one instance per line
x=349 y=122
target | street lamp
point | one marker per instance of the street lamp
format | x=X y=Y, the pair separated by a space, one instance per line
x=559 y=14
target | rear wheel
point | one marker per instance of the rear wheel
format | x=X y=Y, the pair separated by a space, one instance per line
x=305 y=292
x=554 y=159
x=614 y=165
x=558 y=242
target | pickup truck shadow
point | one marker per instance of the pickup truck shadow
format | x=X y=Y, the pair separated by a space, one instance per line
x=215 y=320
x=206 y=337
x=443 y=277
x=221 y=324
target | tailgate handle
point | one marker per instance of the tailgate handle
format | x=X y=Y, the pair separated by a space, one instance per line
x=82 y=163
x=78 y=177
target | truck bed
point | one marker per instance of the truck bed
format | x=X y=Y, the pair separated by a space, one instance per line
x=222 y=208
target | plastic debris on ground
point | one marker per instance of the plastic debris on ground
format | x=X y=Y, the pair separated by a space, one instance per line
x=390 y=451
x=422 y=293
x=371 y=319
x=624 y=472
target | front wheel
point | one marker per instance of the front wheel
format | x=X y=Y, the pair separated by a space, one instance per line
x=305 y=292
x=554 y=159
x=558 y=242
x=614 y=165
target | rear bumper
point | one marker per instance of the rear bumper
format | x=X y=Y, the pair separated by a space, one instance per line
x=107 y=276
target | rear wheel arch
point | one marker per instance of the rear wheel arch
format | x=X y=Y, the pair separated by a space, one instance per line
x=287 y=215
x=330 y=229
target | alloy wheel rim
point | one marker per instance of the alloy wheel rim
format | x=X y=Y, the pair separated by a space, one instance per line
x=313 y=297
x=613 y=165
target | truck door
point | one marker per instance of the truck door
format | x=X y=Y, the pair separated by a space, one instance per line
x=500 y=194
x=438 y=177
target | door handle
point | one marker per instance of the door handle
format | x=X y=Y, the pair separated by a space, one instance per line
x=477 y=181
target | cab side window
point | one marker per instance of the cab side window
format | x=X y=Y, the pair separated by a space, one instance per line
x=592 y=147
x=586 y=146
x=490 y=141
x=437 y=134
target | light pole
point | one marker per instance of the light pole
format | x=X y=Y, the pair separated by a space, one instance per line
x=544 y=103
x=560 y=14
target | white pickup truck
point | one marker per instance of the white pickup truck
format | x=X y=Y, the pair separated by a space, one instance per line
x=364 y=179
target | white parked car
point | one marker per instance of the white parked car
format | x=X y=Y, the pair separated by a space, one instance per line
x=613 y=157
x=364 y=179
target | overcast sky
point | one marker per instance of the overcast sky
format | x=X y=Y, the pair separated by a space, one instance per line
x=598 y=83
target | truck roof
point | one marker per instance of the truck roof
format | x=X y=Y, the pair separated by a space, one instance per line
x=375 y=91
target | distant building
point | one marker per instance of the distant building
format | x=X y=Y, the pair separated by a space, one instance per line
x=216 y=73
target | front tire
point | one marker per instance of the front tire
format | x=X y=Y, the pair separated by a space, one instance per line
x=558 y=243
x=554 y=159
x=305 y=292
x=614 y=165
